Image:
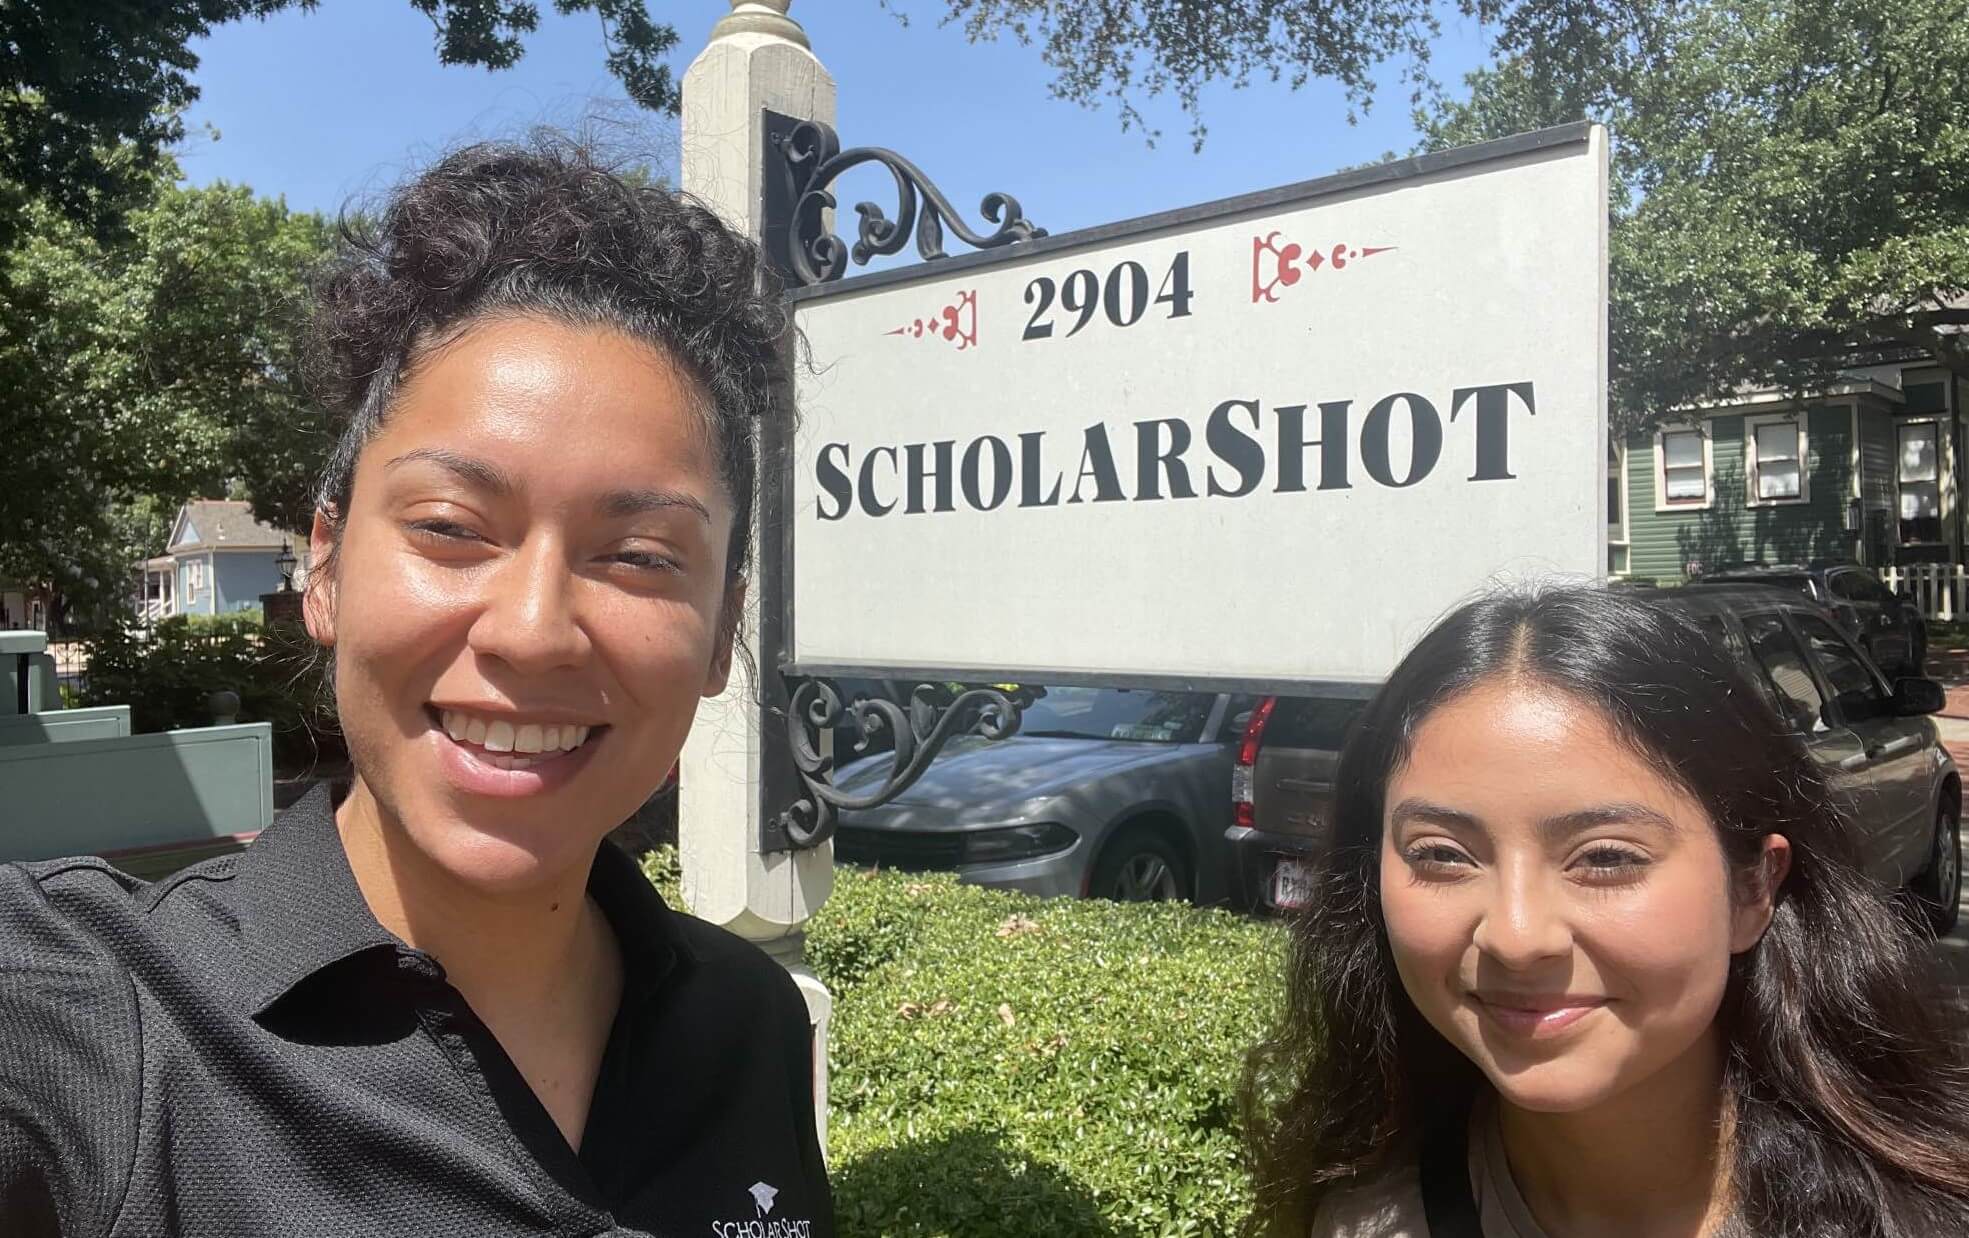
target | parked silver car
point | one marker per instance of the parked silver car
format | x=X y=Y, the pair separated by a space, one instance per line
x=1104 y=792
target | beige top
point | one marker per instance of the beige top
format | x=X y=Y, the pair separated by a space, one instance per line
x=1391 y=1206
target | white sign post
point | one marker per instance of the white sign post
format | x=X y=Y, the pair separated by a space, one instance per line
x=1264 y=441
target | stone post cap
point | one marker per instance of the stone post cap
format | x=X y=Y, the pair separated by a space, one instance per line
x=760 y=17
x=224 y=705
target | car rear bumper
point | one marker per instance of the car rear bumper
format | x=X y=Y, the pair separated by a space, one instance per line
x=1256 y=854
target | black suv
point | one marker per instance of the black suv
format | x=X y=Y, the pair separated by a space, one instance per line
x=1886 y=623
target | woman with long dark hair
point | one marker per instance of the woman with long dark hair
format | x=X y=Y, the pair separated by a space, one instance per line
x=1591 y=954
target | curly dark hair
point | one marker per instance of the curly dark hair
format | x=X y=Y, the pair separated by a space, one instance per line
x=1845 y=1070
x=546 y=228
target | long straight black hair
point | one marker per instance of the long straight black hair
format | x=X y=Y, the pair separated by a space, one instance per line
x=1844 y=1072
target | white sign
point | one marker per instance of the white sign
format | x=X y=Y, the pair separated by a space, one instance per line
x=1274 y=438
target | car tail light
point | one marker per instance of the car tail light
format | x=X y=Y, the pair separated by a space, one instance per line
x=1242 y=774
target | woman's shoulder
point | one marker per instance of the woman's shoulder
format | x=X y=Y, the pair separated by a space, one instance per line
x=71 y=1058
x=62 y=968
x=734 y=970
x=1389 y=1205
x=58 y=915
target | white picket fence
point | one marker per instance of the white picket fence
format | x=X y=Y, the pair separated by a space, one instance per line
x=1941 y=590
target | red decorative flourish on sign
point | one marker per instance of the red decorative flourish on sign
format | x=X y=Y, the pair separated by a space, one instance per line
x=1278 y=263
x=956 y=323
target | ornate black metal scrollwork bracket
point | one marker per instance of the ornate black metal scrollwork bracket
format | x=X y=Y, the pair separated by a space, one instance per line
x=933 y=717
x=811 y=159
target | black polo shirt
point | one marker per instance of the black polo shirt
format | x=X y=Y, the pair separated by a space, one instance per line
x=243 y=1050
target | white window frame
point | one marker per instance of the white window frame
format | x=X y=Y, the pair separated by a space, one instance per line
x=1750 y=425
x=1618 y=537
x=1662 y=502
x=1934 y=423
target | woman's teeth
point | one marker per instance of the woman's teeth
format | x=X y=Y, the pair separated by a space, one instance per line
x=510 y=746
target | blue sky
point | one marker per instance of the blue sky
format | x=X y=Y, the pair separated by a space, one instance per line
x=344 y=101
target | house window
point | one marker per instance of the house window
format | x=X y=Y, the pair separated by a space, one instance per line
x=1776 y=449
x=1682 y=465
x=1616 y=507
x=1920 y=483
x=1616 y=513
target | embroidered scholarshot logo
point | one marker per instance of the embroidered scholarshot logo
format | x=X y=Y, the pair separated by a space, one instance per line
x=764 y=1224
x=762 y=1198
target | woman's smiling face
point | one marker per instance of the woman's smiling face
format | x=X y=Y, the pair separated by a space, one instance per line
x=529 y=595
x=1558 y=910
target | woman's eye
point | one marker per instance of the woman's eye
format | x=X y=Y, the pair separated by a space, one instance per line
x=645 y=560
x=1435 y=857
x=1611 y=861
x=444 y=530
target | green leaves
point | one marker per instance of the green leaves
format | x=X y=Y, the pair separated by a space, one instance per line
x=1002 y=1064
x=92 y=94
x=1793 y=181
x=1005 y=1065
x=146 y=369
x=168 y=679
x=1146 y=48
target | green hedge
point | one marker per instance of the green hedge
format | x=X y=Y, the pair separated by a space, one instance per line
x=168 y=678
x=1005 y=1065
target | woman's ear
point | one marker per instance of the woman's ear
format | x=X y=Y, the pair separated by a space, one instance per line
x=1757 y=893
x=318 y=599
x=719 y=673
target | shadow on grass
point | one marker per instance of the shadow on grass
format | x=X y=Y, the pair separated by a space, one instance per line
x=964 y=1185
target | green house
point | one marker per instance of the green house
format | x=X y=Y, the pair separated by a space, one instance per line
x=1867 y=469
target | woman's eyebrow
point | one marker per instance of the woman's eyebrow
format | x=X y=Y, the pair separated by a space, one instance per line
x=1605 y=814
x=1435 y=814
x=466 y=468
x=491 y=478
x=620 y=503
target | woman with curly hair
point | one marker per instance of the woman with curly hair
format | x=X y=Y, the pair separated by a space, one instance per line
x=1591 y=954
x=436 y=1000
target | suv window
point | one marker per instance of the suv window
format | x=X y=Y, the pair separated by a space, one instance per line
x=1842 y=667
x=1777 y=654
x=1858 y=586
x=1311 y=722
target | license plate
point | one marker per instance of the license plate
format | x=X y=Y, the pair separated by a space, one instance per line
x=1292 y=885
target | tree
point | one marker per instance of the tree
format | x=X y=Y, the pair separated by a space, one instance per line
x=93 y=92
x=1792 y=188
x=147 y=332
x=1125 y=50
x=146 y=369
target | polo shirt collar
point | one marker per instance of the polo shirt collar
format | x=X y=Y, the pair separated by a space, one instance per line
x=300 y=908
x=301 y=911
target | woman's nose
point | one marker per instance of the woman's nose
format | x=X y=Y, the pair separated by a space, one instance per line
x=528 y=619
x=1524 y=921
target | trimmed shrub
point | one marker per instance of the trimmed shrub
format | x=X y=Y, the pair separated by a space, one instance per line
x=167 y=680
x=1005 y=1065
